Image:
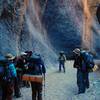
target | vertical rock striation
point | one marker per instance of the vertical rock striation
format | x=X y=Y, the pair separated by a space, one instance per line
x=62 y=20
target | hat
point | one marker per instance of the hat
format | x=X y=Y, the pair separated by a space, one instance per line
x=23 y=53
x=76 y=51
x=29 y=52
x=61 y=52
x=9 y=56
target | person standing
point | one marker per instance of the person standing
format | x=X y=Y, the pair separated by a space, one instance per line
x=8 y=78
x=82 y=71
x=36 y=67
x=62 y=59
x=20 y=68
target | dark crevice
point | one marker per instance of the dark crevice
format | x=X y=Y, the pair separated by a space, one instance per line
x=98 y=13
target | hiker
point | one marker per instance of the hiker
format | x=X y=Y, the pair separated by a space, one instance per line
x=17 y=80
x=36 y=67
x=8 y=78
x=82 y=70
x=20 y=68
x=62 y=59
x=28 y=55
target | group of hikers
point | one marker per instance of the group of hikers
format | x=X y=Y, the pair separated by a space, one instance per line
x=13 y=68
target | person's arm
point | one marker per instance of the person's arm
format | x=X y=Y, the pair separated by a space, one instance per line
x=65 y=58
x=13 y=70
x=43 y=69
x=75 y=64
x=59 y=58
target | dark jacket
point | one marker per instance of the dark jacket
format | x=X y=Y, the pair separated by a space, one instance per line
x=80 y=64
x=77 y=62
x=20 y=64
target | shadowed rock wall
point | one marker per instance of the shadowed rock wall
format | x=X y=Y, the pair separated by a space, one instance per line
x=62 y=19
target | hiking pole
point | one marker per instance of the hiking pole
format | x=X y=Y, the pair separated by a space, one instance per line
x=44 y=86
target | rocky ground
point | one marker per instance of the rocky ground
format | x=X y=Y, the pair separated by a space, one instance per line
x=62 y=86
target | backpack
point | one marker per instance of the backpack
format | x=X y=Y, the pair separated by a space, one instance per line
x=36 y=65
x=88 y=60
x=9 y=72
x=62 y=58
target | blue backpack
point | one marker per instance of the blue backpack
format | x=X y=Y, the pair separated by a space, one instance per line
x=88 y=60
x=7 y=71
x=36 y=65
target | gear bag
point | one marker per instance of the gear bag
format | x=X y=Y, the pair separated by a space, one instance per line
x=88 y=60
x=9 y=72
x=35 y=66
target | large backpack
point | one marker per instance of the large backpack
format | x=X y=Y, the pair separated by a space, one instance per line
x=88 y=60
x=36 y=65
x=9 y=72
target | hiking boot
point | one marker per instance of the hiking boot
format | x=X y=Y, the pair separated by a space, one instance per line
x=81 y=92
x=59 y=71
x=27 y=86
x=87 y=87
x=18 y=96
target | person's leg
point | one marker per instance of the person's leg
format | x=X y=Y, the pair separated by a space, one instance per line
x=17 y=92
x=86 y=79
x=80 y=82
x=63 y=64
x=10 y=88
x=4 y=91
x=39 y=87
x=34 y=92
x=27 y=84
x=59 y=66
x=0 y=93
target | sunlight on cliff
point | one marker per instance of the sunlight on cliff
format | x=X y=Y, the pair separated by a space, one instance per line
x=87 y=23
